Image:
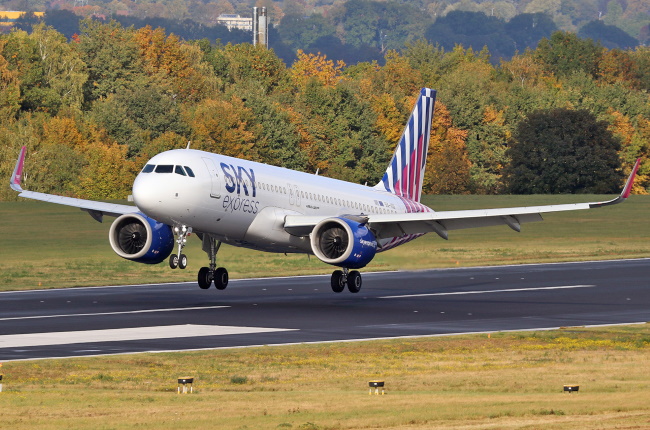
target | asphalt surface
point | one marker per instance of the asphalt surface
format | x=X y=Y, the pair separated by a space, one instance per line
x=166 y=317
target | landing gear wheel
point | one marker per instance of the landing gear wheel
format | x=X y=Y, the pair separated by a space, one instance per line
x=173 y=261
x=182 y=261
x=221 y=278
x=354 y=281
x=205 y=278
x=338 y=281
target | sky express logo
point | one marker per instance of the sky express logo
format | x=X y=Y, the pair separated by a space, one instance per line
x=239 y=179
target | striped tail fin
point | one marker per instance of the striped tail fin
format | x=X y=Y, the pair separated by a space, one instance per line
x=405 y=173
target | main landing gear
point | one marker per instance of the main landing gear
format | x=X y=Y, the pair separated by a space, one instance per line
x=207 y=275
x=341 y=278
x=179 y=259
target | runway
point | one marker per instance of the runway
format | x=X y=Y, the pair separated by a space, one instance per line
x=172 y=317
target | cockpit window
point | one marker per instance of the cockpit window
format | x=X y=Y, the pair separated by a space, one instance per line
x=164 y=168
x=189 y=172
x=148 y=168
x=179 y=170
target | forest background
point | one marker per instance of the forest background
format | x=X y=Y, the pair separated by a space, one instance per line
x=99 y=87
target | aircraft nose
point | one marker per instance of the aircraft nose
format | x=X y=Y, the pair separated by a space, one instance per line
x=144 y=193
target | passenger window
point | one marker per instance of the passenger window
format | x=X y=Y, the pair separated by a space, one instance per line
x=148 y=168
x=189 y=171
x=179 y=171
x=164 y=168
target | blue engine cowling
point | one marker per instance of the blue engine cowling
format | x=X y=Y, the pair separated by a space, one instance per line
x=343 y=242
x=139 y=238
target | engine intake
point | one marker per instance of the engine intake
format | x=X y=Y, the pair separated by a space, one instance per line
x=139 y=238
x=343 y=242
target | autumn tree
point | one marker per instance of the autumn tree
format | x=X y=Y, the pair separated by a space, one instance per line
x=226 y=127
x=448 y=166
x=315 y=66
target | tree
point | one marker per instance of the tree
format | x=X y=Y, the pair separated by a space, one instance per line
x=317 y=67
x=111 y=54
x=9 y=88
x=563 y=151
x=63 y=71
x=471 y=29
x=448 y=166
x=565 y=53
x=527 y=29
x=607 y=35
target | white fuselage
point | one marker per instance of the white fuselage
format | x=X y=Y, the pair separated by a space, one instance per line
x=244 y=203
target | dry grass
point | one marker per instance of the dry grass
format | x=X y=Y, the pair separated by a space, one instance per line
x=508 y=381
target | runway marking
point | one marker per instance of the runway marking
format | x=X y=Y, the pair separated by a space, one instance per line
x=458 y=293
x=139 y=311
x=126 y=334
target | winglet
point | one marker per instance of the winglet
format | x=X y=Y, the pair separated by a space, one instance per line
x=626 y=190
x=17 y=176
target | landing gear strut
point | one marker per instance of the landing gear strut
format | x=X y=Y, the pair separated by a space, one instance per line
x=213 y=273
x=179 y=259
x=341 y=278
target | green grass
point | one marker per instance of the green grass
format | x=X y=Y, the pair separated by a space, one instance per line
x=51 y=246
x=506 y=381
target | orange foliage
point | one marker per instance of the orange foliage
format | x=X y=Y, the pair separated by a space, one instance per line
x=62 y=131
x=316 y=66
x=166 y=58
x=616 y=66
x=224 y=127
x=448 y=165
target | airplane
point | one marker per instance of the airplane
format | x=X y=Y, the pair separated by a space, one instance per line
x=258 y=206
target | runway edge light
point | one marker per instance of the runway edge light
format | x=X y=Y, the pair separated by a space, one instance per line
x=185 y=381
x=376 y=385
x=571 y=388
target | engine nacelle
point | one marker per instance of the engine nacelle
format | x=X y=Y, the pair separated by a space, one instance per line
x=343 y=242
x=139 y=238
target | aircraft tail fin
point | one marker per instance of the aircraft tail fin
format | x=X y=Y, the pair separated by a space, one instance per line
x=405 y=173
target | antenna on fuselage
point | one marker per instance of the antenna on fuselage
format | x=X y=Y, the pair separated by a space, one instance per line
x=317 y=171
x=188 y=144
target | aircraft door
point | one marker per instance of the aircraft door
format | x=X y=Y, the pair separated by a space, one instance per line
x=294 y=195
x=215 y=190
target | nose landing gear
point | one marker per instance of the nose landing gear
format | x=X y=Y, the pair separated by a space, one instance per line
x=341 y=278
x=179 y=260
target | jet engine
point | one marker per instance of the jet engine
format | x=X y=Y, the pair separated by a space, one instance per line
x=139 y=238
x=343 y=242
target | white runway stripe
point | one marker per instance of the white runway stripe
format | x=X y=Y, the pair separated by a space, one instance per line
x=457 y=293
x=139 y=311
x=125 y=334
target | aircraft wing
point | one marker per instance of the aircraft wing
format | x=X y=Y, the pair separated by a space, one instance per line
x=97 y=210
x=396 y=225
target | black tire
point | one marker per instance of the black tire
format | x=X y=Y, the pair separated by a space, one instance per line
x=182 y=261
x=221 y=278
x=173 y=261
x=354 y=281
x=205 y=279
x=338 y=281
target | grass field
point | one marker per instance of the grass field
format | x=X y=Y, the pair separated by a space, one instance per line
x=506 y=381
x=51 y=246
